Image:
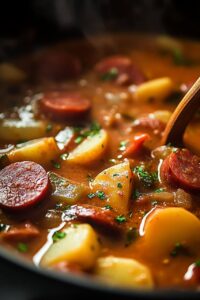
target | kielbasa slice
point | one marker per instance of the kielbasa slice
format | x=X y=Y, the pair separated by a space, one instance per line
x=20 y=233
x=57 y=65
x=125 y=72
x=153 y=124
x=64 y=105
x=22 y=184
x=182 y=168
x=94 y=215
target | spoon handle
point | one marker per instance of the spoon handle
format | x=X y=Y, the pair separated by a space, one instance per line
x=182 y=115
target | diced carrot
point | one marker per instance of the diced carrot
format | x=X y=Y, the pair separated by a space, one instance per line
x=136 y=144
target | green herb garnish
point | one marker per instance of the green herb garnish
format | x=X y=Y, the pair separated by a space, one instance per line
x=136 y=194
x=179 y=58
x=147 y=178
x=64 y=156
x=178 y=249
x=56 y=164
x=3 y=227
x=197 y=263
x=78 y=140
x=101 y=195
x=160 y=190
x=91 y=195
x=131 y=236
x=22 y=247
x=119 y=185
x=122 y=145
x=49 y=127
x=120 y=219
x=110 y=75
x=58 y=235
x=108 y=207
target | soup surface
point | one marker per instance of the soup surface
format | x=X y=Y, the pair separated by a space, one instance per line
x=85 y=185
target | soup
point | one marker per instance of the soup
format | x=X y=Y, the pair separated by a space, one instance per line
x=85 y=185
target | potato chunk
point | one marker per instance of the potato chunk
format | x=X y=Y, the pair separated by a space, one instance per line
x=190 y=138
x=92 y=148
x=115 y=182
x=20 y=130
x=165 y=228
x=41 y=151
x=11 y=74
x=80 y=245
x=124 y=272
x=157 y=89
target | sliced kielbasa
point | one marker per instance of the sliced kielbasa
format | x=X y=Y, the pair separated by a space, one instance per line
x=123 y=71
x=95 y=215
x=64 y=105
x=57 y=65
x=182 y=168
x=22 y=184
x=20 y=233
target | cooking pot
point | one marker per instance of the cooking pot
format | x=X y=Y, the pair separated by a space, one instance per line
x=27 y=25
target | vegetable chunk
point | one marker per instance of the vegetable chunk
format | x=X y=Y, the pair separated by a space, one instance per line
x=64 y=189
x=156 y=89
x=123 y=271
x=41 y=151
x=116 y=183
x=20 y=130
x=92 y=148
x=165 y=228
x=79 y=245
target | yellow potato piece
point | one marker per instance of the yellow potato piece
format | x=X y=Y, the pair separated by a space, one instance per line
x=166 y=227
x=191 y=140
x=80 y=245
x=92 y=148
x=124 y=272
x=41 y=151
x=19 y=130
x=162 y=115
x=116 y=183
x=10 y=73
x=156 y=89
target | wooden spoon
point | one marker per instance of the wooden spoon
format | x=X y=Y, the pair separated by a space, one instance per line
x=182 y=115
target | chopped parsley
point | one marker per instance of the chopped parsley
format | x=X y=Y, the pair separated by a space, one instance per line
x=91 y=195
x=178 y=249
x=22 y=247
x=78 y=140
x=146 y=177
x=197 y=263
x=3 y=227
x=64 y=156
x=83 y=133
x=101 y=195
x=136 y=194
x=122 y=145
x=108 y=207
x=180 y=60
x=110 y=75
x=49 y=127
x=56 y=164
x=120 y=219
x=116 y=174
x=160 y=190
x=119 y=185
x=58 y=235
x=131 y=236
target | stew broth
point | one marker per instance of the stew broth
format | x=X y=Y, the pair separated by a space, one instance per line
x=133 y=122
